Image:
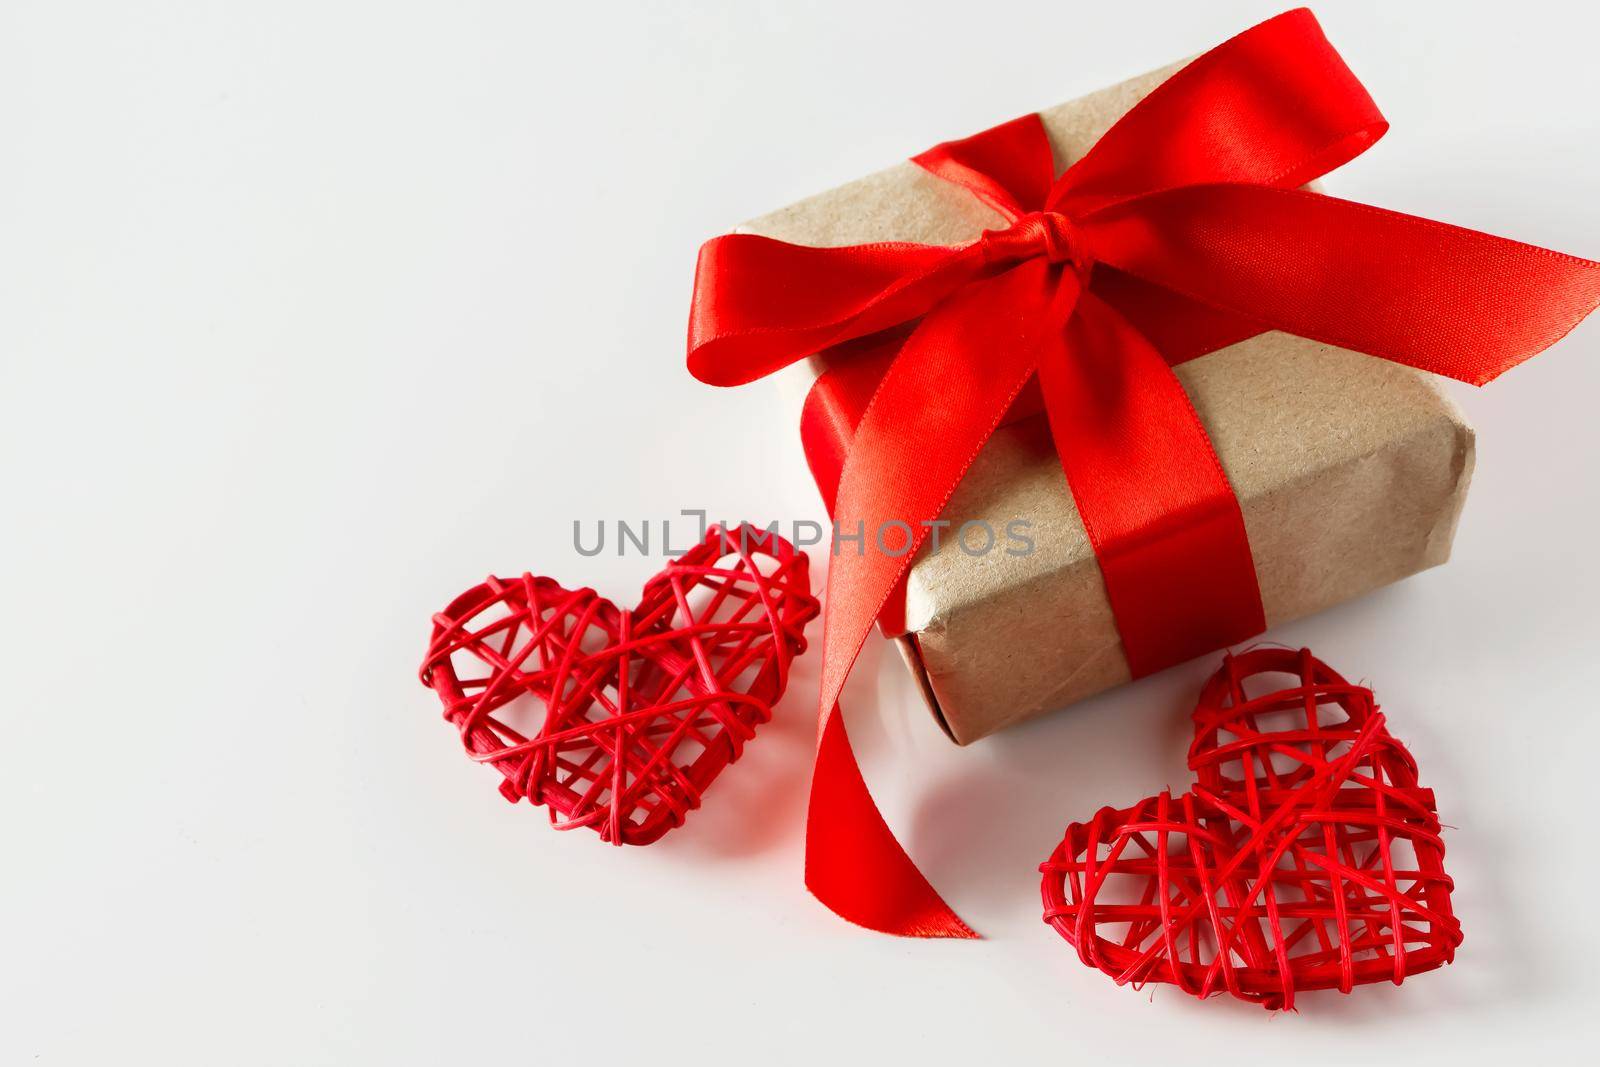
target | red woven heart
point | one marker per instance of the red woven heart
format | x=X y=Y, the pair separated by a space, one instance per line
x=1305 y=857
x=620 y=721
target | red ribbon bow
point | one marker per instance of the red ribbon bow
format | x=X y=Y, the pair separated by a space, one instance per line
x=1181 y=231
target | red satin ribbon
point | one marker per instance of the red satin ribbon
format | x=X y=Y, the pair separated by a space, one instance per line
x=1182 y=230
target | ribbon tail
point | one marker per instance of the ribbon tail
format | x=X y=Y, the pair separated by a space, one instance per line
x=854 y=865
x=938 y=403
x=1440 y=298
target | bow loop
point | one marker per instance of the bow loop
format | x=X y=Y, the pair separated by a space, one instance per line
x=1010 y=167
x=1276 y=105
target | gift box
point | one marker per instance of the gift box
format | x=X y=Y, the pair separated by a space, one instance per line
x=1119 y=264
x=1350 y=471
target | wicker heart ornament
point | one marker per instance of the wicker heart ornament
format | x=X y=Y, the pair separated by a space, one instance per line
x=1306 y=856
x=620 y=720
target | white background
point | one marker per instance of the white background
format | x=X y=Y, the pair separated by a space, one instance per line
x=313 y=314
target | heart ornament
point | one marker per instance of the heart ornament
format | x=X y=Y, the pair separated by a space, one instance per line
x=616 y=720
x=1306 y=856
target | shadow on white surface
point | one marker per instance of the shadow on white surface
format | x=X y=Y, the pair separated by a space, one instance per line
x=759 y=802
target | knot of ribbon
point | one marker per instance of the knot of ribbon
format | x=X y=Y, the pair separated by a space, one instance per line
x=1190 y=212
x=1050 y=234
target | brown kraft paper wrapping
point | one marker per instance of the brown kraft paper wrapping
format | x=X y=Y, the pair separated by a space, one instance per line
x=1351 y=472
